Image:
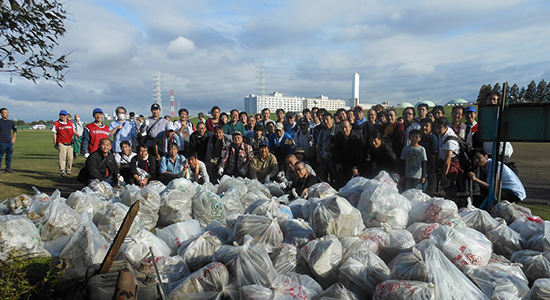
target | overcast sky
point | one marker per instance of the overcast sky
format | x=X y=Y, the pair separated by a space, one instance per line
x=208 y=52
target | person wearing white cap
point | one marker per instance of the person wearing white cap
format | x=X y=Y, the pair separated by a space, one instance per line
x=281 y=144
x=164 y=138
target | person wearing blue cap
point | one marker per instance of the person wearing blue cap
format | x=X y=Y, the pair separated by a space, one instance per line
x=63 y=130
x=471 y=125
x=94 y=133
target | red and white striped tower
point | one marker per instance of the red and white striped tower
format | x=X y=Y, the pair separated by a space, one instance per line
x=172 y=111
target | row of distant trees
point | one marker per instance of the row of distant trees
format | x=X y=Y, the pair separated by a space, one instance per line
x=48 y=123
x=515 y=94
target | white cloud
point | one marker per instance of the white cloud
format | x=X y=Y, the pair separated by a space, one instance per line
x=181 y=45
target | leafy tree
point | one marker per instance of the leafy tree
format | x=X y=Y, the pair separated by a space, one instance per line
x=514 y=93
x=29 y=31
x=521 y=96
x=507 y=100
x=540 y=94
x=482 y=93
x=530 y=92
x=497 y=88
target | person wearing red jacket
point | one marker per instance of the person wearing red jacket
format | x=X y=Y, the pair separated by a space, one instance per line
x=63 y=130
x=94 y=133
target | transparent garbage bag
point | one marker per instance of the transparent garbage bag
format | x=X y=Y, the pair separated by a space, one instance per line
x=362 y=272
x=283 y=288
x=18 y=233
x=90 y=202
x=336 y=291
x=262 y=229
x=405 y=289
x=492 y=280
x=208 y=207
x=211 y=282
x=509 y=211
x=462 y=245
x=177 y=236
x=382 y=204
x=335 y=216
x=410 y=266
x=172 y=269
x=175 y=206
x=505 y=240
x=479 y=220
x=250 y=197
x=450 y=282
x=310 y=205
x=228 y=182
x=296 y=232
x=540 y=290
x=231 y=201
x=416 y=196
x=399 y=241
x=248 y=264
x=504 y=296
x=269 y=208
x=323 y=257
x=321 y=190
x=274 y=189
x=111 y=221
x=379 y=235
x=296 y=206
x=135 y=249
x=183 y=185
x=502 y=263
x=436 y=210
x=256 y=187
x=351 y=245
x=38 y=212
x=540 y=241
x=62 y=220
x=527 y=226
x=353 y=189
x=285 y=258
x=199 y=252
x=85 y=247
x=421 y=230
x=534 y=264
x=149 y=204
x=220 y=231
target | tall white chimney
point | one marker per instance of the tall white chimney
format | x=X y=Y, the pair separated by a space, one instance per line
x=354 y=100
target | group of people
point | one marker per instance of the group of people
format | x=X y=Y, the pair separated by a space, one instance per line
x=420 y=149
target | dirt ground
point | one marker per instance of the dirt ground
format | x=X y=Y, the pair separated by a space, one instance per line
x=533 y=162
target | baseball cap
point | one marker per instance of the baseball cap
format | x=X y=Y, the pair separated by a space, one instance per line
x=470 y=108
x=170 y=127
x=201 y=114
x=279 y=126
x=237 y=133
x=299 y=150
x=63 y=112
x=155 y=106
x=97 y=110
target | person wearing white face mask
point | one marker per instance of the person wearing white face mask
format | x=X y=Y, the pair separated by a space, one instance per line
x=121 y=129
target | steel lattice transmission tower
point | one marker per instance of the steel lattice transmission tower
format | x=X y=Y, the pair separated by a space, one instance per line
x=260 y=74
x=157 y=95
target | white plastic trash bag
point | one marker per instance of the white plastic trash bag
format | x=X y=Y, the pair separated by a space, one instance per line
x=62 y=220
x=135 y=249
x=479 y=220
x=199 y=252
x=269 y=208
x=321 y=190
x=175 y=206
x=296 y=232
x=534 y=264
x=528 y=226
x=422 y=231
x=540 y=241
x=399 y=241
x=285 y=258
x=410 y=266
x=249 y=263
x=208 y=207
x=18 y=233
x=179 y=235
x=111 y=221
x=492 y=280
x=149 y=204
x=354 y=244
x=283 y=287
x=209 y=283
x=90 y=202
x=437 y=210
x=509 y=211
x=404 y=289
x=323 y=256
x=336 y=291
x=540 y=290
x=262 y=229
x=353 y=189
x=416 y=196
x=335 y=216
x=505 y=240
x=382 y=204
x=362 y=272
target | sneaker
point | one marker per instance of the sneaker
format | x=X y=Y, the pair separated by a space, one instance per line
x=9 y=170
x=63 y=174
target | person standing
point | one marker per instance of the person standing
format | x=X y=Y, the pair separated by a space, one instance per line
x=78 y=131
x=121 y=130
x=152 y=126
x=63 y=131
x=6 y=138
x=214 y=121
x=184 y=129
x=414 y=159
x=234 y=124
x=94 y=133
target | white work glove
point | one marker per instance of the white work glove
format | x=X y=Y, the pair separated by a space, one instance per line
x=267 y=178
x=294 y=193
x=243 y=171
x=220 y=171
x=280 y=175
x=86 y=155
x=282 y=185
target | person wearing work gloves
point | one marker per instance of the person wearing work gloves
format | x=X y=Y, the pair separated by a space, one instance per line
x=121 y=130
x=304 y=180
x=264 y=165
x=100 y=165
x=94 y=133
x=236 y=157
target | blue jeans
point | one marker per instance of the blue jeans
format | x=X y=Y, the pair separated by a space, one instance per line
x=8 y=149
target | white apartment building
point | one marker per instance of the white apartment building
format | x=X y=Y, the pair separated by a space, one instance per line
x=254 y=104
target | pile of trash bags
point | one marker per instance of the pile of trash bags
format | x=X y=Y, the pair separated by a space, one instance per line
x=241 y=239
